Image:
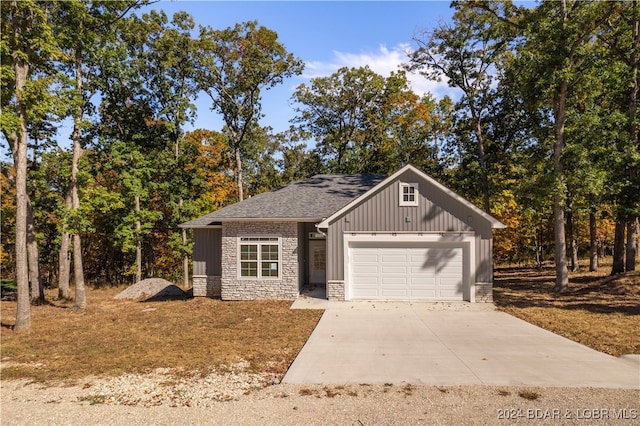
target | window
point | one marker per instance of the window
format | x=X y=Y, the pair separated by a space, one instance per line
x=259 y=257
x=408 y=194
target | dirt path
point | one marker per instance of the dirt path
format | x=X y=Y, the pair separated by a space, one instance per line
x=29 y=404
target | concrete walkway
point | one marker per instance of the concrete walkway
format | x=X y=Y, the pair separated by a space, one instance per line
x=447 y=344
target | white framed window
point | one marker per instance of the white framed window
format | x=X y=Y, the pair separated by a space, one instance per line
x=408 y=194
x=259 y=257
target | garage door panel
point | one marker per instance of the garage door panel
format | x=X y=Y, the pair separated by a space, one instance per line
x=393 y=269
x=391 y=294
x=424 y=294
x=423 y=282
x=394 y=281
x=450 y=288
x=367 y=294
x=448 y=295
x=393 y=258
x=450 y=270
x=406 y=273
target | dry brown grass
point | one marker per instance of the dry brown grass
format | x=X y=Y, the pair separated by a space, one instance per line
x=113 y=337
x=195 y=335
x=599 y=311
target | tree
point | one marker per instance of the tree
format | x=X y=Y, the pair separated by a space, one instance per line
x=466 y=53
x=622 y=39
x=81 y=27
x=135 y=172
x=365 y=123
x=27 y=43
x=234 y=65
x=213 y=169
x=553 y=59
x=165 y=58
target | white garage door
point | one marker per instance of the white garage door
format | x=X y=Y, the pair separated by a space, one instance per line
x=406 y=273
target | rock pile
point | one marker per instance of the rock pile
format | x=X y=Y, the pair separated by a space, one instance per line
x=152 y=288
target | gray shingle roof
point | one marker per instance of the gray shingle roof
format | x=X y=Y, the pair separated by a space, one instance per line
x=313 y=199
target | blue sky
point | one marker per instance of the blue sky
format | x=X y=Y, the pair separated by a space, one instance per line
x=326 y=35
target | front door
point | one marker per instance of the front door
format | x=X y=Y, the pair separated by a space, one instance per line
x=317 y=261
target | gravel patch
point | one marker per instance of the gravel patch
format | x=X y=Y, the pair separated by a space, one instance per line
x=164 y=397
x=178 y=389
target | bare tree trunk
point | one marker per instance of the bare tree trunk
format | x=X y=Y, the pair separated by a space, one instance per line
x=239 y=174
x=185 y=261
x=23 y=313
x=19 y=150
x=33 y=254
x=632 y=232
x=539 y=247
x=562 y=274
x=483 y=165
x=138 y=241
x=632 y=226
x=618 y=248
x=573 y=246
x=185 y=257
x=637 y=239
x=78 y=273
x=593 y=240
x=64 y=260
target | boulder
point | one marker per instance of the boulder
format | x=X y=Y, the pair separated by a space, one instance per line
x=152 y=288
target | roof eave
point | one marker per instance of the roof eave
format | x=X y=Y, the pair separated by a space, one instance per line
x=219 y=221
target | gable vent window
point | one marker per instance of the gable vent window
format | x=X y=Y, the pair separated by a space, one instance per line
x=259 y=257
x=408 y=194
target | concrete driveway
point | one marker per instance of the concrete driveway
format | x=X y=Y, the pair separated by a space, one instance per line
x=448 y=344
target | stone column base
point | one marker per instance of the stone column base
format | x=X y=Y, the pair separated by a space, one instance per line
x=206 y=286
x=335 y=290
x=484 y=292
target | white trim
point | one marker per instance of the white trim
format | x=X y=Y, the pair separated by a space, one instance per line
x=259 y=277
x=464 y=240
x=495 y=223
x=416 y=193
x=200 y=226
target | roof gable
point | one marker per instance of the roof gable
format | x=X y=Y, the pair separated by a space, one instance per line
x=422 y=176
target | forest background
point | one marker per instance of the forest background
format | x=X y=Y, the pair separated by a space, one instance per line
x=544 y=136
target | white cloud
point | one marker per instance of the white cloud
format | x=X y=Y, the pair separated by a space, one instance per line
x=382 y=61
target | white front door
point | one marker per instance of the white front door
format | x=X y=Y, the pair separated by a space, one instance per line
x=317 y=261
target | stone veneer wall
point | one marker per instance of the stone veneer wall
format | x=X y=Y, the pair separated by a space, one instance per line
x=335 y=290
x=484 y=292
x=283 y=288
x=206 y=286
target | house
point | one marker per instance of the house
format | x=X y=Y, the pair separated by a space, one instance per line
x=362 y=237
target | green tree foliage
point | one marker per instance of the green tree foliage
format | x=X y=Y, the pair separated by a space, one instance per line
x=621 y=37
x=363 y=122
x=545 y=132
x=81 y=27
x=466 y=53
x=27 y=47
x=234 y=66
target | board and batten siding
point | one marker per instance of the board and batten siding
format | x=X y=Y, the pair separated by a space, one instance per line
x=436 y=212
x=207 y=255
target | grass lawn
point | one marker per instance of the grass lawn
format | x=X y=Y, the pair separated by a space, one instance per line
x=599 y=311
x=112 y=337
